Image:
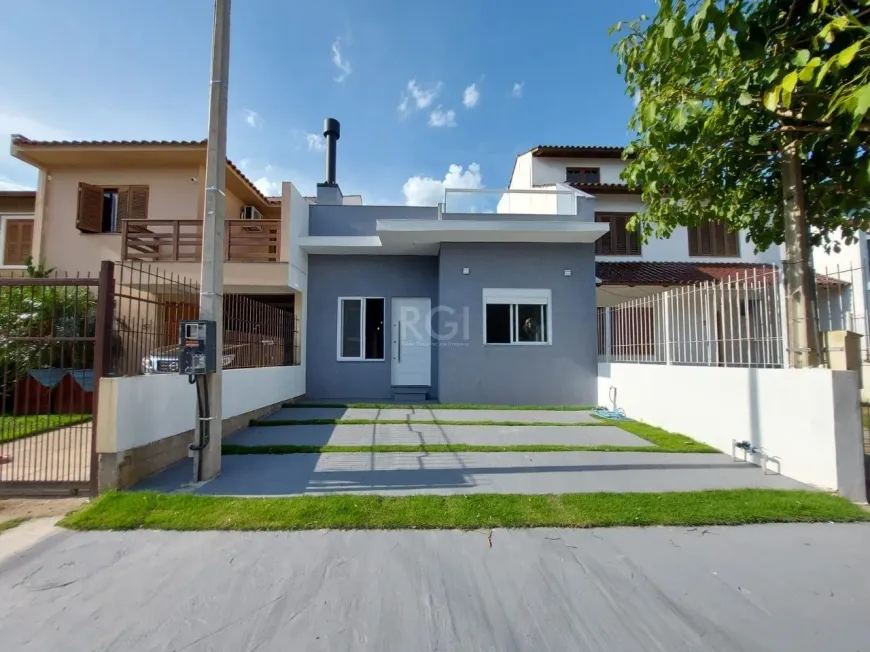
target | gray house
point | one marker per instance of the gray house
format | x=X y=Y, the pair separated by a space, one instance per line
x=488 y=297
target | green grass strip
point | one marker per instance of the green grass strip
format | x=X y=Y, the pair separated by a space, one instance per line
x=439 y=406
x=12 y=428
x=11 y=523
x=130 y=511
x=672 y=441
x=293 y=449
x=402 y=422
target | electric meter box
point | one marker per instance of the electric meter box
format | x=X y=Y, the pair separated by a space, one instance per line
x=197 y=348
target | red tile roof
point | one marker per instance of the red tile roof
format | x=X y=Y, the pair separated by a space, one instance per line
x=578 y=151
x=18 y=139
x=666 y=273
x=605 y=188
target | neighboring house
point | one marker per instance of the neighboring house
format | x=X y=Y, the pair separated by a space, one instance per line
x=142 y=201
x=441 y=302
x=16 y=229
x=626 y=268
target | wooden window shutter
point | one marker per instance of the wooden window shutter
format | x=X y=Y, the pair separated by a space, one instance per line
x=138 y=202
x=713 y=239
x=19 y=240
x=602 y=245
x=123 y=207
x=619 y=241
x=89 y=218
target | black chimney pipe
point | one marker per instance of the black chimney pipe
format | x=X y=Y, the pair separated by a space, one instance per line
x=332 y=132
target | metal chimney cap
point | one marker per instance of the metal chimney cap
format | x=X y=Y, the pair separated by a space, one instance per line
x=331 y=126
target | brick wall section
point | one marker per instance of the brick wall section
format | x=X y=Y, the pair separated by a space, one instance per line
x=126 y=468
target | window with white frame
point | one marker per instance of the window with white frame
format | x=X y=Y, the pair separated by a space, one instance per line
x=360 y=328
x=517 y=317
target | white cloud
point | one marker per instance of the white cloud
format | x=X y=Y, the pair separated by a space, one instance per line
x=8 y=184
x=636 y=98
x=471 y=96
x=441 y=118
x=426 y=191
x=244 y=163
x=423 y=96
x=253 y=118
x=340 y=62
x=517 y=90
x=268 y=187
x=316 y=142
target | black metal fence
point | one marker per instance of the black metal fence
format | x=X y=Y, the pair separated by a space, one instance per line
x=149 y=303
x=49 y=373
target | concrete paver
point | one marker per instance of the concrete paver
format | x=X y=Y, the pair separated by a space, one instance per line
x=416 y=434
x=753 y=589
x=465 y=473
x=432 y=414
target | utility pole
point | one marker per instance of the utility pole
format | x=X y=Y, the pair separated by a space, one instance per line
x=799 y=277
x=212 y=279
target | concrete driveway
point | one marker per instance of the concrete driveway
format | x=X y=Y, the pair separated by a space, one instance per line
x=801 y=588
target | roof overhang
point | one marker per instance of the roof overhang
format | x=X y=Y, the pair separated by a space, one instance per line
x=48 y=155
x=425 y=232
x=362 y=246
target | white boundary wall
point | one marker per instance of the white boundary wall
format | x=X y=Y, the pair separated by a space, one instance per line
x=140 y=410
x=809 y=418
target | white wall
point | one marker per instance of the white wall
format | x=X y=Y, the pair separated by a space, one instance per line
x=138 y=410
x=547 y=169
x=532 y=171
x=809 y=418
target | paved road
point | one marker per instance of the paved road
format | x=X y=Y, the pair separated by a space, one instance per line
x=465 y=473
x=801 y=588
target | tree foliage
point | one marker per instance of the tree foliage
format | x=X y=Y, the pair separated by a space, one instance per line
x=723 y=86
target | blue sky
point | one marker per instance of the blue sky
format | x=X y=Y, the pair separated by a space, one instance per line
x=124 y=69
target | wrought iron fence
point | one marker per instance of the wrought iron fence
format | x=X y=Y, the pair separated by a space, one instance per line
x=149 y=304
x=732 y=322
x=49 y=372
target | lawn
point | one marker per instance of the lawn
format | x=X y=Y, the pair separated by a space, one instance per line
x=25 y=426
x=130 y=511
x=438 y=406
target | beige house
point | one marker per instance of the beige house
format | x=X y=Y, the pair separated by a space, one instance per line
x=16 y=230
x=142 y=201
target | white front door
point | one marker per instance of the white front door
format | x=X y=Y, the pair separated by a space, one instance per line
x=412 y=351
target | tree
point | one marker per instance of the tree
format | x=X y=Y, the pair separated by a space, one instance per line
x=751 y=111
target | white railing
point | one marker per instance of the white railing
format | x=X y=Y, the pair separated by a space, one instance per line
x=736 y=322
x=841 y=295
x=516 y=202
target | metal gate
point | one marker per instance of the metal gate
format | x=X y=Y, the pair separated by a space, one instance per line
x=49 y=375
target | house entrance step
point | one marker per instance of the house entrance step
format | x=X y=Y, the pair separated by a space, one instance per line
x=409 y=394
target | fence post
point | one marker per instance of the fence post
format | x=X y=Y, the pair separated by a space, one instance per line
x=102 y=355
x=783 y=314
x=607 y=335
x=666 y=311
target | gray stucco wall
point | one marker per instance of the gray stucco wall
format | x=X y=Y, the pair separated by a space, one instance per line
x=330 y=277
x=564 y=372
x=361 y=220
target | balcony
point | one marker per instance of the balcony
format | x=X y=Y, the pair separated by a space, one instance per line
x=509 y=204
x=180 y=241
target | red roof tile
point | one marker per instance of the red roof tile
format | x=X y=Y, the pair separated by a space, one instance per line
x=18 y=139
x=666 y=273
x=578 y=151
x=605 y=188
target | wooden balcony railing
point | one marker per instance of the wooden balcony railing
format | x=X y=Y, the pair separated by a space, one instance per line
x=246 y=241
